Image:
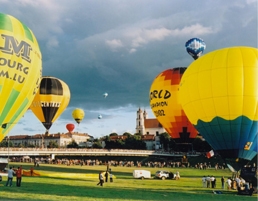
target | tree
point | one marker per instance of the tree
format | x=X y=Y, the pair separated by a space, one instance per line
x=113 y=134
x=52 y=144
x=164 y=140
x=127 y=134
x=133 y=142
x=72 y=144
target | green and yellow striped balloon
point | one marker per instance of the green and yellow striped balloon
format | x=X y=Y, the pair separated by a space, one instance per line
x=20 y=71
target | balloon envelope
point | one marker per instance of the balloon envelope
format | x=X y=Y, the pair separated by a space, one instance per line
x=105 y=95
x=78 y=115
x=165 y=106
x=195 y=47
x=219 y=94
x=51 y=100
x=21 y=66
x=70 y=127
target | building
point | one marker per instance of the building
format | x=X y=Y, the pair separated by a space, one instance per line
x=42 y=140
x=145 y=126
x=149 y=129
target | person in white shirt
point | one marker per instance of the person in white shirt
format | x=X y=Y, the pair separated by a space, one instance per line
x=10 y=177
x=229 y=183
x=204 y=182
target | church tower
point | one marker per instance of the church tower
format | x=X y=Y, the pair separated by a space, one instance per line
x=141 y=116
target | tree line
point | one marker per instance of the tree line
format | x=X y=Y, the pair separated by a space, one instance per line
x=130 y=141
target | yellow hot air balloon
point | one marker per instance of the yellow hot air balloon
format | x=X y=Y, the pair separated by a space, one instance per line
x=165 y=105
x=51 y=100
x=78 y=115
x=20 y=71
x=219 y=94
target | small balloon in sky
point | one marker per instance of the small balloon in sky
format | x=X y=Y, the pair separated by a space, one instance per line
x=195 y=47
x=100 y=116
x=105 y=95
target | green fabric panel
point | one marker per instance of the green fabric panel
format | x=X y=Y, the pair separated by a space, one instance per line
x=5 y=22
x=28 y=33
x=17 y=113
x=12 y=98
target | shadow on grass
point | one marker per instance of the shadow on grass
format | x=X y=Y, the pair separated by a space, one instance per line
x=38 y=190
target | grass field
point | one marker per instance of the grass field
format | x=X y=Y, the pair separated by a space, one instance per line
x=60 y=182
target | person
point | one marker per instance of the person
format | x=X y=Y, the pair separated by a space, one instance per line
x=229 y=183
x=177 y=175
x=222 y=182
x=101 y=179
x=212 y=179
x=111 y=177
x=208 y=180
x=10 y=177
x=204 y=181
x=31 y=171
x=18 y=176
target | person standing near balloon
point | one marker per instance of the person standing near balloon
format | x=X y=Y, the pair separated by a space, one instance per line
x=222 y=182
x=18 y=176
x=10 y=177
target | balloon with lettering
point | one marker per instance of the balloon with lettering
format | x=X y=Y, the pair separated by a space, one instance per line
x=20 y=71
x=219 y=94
x=70 y=127
x=78 y=115
x=195 y=47
x=50 y=101
x=166 y=107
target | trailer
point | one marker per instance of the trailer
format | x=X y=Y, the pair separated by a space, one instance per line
x=141 y=174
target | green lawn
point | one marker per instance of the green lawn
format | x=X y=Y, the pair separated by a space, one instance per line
x=60 y=182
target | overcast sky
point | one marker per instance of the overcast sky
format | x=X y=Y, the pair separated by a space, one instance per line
x=119 y=47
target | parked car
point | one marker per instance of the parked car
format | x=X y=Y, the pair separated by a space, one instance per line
x=163 y=174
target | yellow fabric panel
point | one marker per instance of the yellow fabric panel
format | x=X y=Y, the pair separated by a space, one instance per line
x=39 y=99
x=229 y=76
x=21 y=67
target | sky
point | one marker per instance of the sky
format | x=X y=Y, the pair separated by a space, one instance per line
x=119 y=47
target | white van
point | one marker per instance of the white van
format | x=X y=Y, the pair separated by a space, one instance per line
x=141 y=174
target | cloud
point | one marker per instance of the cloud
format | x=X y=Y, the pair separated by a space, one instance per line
x=114 y=44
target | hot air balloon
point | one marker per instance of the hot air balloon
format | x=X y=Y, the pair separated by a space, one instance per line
x=21 y=66
x=50 y=101
x=166 y=107
x=70 y=127
x=219 y=94
x=195 y=47
x=78 y=115
x=100 y=116
x=105 y=95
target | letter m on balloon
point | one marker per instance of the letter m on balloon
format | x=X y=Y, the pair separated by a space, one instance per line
x=12 y=46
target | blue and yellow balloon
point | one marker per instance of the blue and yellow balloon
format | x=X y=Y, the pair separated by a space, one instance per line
x=219 y=94
x=21 y=66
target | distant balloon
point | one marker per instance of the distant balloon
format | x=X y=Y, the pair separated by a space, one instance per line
x=165 y=105
x=195 y=47
x=21 y=68
x=219 y=94
x=78 y=115
x=70 y=127
x=50 y=101
x=105 y=95
x=100 y=116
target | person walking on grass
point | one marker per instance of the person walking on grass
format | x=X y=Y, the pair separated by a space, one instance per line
x=101 y=179
x=10 y=177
